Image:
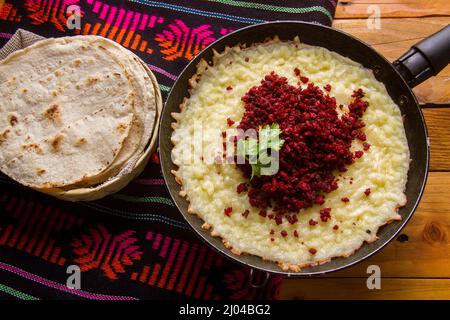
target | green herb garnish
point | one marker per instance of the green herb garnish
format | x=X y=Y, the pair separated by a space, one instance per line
x=257 y=151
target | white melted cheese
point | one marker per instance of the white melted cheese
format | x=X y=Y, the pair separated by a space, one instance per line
x=211 y=188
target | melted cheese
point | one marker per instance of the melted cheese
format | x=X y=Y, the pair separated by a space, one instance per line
x=211 y=187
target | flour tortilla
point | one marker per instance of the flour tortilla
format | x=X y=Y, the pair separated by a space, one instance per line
x=144 y=122
x=63 y=158
x=58 y=82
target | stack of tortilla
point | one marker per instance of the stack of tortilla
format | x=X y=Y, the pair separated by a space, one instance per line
x=76 y=113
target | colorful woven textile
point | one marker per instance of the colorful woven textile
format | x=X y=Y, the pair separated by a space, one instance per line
x=134 y=244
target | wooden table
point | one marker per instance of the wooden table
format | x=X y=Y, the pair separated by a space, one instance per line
x=420 y=267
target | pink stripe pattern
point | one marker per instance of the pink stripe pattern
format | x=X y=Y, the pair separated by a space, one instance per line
x=58 y=286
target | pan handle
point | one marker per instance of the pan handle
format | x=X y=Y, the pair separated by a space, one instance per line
x=426 y=58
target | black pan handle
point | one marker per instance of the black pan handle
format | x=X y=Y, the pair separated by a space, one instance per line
x=426 y=58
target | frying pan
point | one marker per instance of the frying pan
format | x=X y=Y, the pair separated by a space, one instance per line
x=422 y=61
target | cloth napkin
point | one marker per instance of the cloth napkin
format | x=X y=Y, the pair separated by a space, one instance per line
x=134 y=244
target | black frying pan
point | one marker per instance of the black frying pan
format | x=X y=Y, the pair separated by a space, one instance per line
x=422 y=61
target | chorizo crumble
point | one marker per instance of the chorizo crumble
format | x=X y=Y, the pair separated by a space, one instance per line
x=317 y=143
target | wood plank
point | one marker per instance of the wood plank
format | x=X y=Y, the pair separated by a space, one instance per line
x=426 y=254
x=356 y=289
x=438 y=123
x=394 y=38
x=392 y=8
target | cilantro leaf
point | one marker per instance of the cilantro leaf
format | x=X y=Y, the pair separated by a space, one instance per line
x=256 y=171
x=256 y=152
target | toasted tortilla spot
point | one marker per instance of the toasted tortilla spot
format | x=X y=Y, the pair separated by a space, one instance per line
x=77 y=62
x=4 y=135
x=34 y=146
x=91 y=80
x=13 y=120
x=80 y=142
x=57 y=141
x=40 y=172
x=53 y=113
x=122 y=127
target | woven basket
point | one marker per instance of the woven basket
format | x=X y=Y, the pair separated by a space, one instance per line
x=118 y=182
